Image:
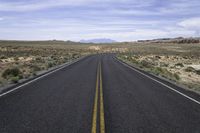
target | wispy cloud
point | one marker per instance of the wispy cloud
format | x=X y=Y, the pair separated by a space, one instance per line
x=38 y=5
x=191 y=23
x=83 y=19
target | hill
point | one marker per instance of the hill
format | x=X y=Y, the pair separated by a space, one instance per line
x=98 y=40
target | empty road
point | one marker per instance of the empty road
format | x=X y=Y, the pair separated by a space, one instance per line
x=99 y=94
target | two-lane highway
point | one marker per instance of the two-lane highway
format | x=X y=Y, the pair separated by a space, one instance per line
x=97 y=94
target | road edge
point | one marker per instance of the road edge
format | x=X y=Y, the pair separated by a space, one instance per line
x=11 y=88
x=193 y=96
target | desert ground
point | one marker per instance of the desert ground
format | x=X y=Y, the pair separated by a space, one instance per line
x=25 y=59
x=179 y=63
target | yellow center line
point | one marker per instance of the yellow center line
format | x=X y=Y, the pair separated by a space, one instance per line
x=102 y=121
x=94 y=118
x=101 y=103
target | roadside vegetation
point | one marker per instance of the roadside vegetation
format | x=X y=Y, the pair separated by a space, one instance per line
x=179 y=63
x=22 y=60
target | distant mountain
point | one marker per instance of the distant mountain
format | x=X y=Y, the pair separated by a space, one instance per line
x=98 y=40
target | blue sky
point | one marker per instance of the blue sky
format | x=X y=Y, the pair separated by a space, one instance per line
x=121 y=20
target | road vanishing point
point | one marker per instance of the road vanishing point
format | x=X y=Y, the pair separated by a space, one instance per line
x=99 y=94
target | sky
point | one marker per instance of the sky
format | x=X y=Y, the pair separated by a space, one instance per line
x=120 y=20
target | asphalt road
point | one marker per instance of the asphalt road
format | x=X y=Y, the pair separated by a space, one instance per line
x=99 y=94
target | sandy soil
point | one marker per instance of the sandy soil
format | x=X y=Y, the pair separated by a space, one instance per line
x=172 y=64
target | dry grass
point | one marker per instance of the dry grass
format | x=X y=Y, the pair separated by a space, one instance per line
x=171 y=61
x=33 y=57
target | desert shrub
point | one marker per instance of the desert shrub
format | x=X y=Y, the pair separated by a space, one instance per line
x=185 y=57
x=3 y=57
x=128 y=57
x=157 y=70
x=179 y=64
x=157 y=57
x=35 y=68
x=34 y=74
x=15 y=79
x=162 y=64
x=13 y=72
x=38 y=59
x=146 y=64
x=198 y=72
x=74 y=55
x=16 y=58
x=134 y=61
x=54 y=57
x=190 y=69
x=50 y=64
x=177 y=77
x=165 y=73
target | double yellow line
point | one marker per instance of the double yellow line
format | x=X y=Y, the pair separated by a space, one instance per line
x=100 y=106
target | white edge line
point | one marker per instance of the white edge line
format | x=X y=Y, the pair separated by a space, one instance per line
x=159 y=82
x=48 y=73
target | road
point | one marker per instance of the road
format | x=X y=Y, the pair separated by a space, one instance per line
x=99 y=94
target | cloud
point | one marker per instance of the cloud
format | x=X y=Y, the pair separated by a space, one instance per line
x=122 y=20
x=45 y=4
x=180 y=7
x=77 y=32
x=38 y=5
x=135 y=12
x=71 y=29
x=192 y=23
